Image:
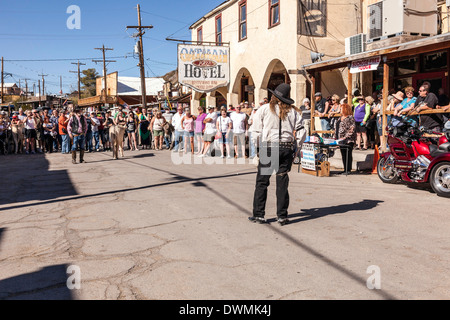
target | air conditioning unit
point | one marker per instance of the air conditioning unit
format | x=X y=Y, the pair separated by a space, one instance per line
x=355 y=44
x=390 y=18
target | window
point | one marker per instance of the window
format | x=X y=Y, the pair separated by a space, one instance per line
x=274 y=13
x=219 y=29
x=243 y=20
x=200 y=35
x=435 y=61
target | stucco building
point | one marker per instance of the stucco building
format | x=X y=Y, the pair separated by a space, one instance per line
x=270 y=41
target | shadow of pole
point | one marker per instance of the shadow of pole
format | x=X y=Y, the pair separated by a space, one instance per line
x=320 y=212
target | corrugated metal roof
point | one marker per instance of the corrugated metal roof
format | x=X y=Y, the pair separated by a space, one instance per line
x=132 y=86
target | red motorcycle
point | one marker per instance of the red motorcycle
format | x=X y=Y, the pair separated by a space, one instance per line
x=417 y=156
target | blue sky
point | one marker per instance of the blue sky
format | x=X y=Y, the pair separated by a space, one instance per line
x=37 y=30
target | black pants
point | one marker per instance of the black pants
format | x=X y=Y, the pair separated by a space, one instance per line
x=48 y=140
x=347 y=156
x=282 y=182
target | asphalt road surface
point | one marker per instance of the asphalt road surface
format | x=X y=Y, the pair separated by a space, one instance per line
x=150 y=227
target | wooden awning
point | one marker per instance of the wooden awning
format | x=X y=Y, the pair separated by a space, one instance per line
x=429 y=44
x=96 y=100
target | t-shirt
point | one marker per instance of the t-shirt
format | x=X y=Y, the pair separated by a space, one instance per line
x=224 y=123
x=210 y=127
x=238 y=122
x=199 y=125
x=320 y=107
x=429 y=121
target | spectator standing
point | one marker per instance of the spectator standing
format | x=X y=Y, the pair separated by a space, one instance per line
x=3 y=130
x=188 y=123
x=240 y=127
x=361 y=115
x=107 y=124
x=88 y=133
x=179 y=132
x=49 y=134
x=95 y=123
x=210 y=130
x=306 y=115
x=63 y=120
x=39 y=131
x=54 y=120
x=30 y=132
x=77 y=129
x=224 y=125
x=345 y=129
x=200 y=128
x=144 y=129
x=157 y=127
x=131 y=131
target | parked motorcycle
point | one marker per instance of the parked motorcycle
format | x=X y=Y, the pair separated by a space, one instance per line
x=417 y=156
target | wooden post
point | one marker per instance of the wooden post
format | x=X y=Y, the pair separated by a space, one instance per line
x=313 y=102
x=349 y=86
x=385 y=103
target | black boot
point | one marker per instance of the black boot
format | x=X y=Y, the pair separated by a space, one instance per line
x=82 y=156
x=74 y=157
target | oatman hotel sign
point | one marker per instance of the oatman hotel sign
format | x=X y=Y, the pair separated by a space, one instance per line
x=203 y=68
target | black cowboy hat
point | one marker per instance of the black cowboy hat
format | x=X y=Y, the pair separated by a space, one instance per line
x=283 y=92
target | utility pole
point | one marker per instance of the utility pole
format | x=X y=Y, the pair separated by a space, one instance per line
x=26 y=88
x=43 y=83
x=103 y=49
x=141 y=32
x=79 y=79
x=2 y=81
x=39 y=87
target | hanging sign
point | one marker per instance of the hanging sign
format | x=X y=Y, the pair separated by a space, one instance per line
x=203 y=68
x=369 y=64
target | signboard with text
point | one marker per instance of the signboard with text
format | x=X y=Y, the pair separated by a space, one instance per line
x=308 y=156
x=203 y=68
x=369 y=64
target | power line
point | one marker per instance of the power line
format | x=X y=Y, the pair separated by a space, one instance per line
x=61 y=59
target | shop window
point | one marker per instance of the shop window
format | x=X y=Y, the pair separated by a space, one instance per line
x=435 y=61
x=274 y=13
x=407 y=66
x=243 y=20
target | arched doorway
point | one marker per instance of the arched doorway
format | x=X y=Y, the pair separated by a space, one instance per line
x=275 y=75
x=244 y=86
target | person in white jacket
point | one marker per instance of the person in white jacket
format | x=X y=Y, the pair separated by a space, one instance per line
x=273 y=128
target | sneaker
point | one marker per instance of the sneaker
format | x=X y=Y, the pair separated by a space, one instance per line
x=283 y=221
x=258 y=220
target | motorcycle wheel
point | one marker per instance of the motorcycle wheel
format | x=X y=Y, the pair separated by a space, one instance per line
x=440 y=179
x=386 y=172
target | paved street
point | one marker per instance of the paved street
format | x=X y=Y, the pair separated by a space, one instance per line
x=144 y=228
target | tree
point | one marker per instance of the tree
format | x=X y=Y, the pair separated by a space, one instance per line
x=89 y=81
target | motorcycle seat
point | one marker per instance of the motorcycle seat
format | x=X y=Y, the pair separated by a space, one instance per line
x=445 y=147
x=436 y=151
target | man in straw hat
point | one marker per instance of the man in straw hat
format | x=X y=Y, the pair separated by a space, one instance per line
x=273 y=129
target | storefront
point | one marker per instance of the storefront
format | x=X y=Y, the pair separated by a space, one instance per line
x=401 y=65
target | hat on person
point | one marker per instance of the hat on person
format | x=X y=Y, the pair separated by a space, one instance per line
x=360 y=98
x=210 y=107
x=14 y=117
x=283 y=92
x=318 y=94
x=399 y=95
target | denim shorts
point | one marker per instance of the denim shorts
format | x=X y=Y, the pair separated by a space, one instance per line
x=189 y=133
